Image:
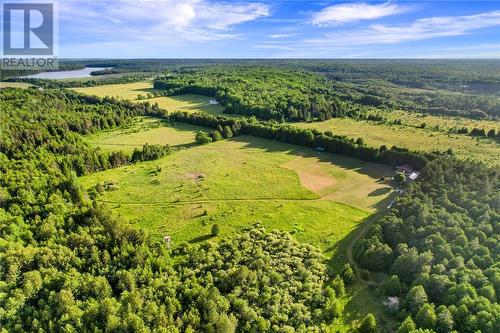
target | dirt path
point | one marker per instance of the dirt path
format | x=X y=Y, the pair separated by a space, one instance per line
x=187 y=202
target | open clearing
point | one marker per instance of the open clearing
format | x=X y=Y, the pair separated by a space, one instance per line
x=15 y=85
x=144 y=130
x=328 y=176
x=131 y=91
x=123 y=90
x=407 y=135
x=237 y=183
x=443 y=123
x=375 y=135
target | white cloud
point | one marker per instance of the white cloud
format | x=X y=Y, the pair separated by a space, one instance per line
x=223 y=16
x=353 y=12
x=169 y=20
x=425 y=28
x=277 y=36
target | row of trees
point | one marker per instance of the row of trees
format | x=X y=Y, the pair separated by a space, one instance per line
x=439 y=244
x=307 y=137
x=92 y=82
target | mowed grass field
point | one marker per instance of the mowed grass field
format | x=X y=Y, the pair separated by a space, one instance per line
x=144 y=130
x=131 y=91
x=419 y=139
x=240 y=182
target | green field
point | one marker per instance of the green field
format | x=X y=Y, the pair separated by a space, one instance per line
x=125 y=91
x=131 y=91
x=409 y=135
x=443 y=123
x=237 y=183
x=15 y=85
x=144 y=130
x=426 y=139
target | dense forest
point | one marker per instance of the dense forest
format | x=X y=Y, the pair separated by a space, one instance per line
x=264 y=92
x=465 y=88
x=67 y=264
x=289 y=91
x=440 y=246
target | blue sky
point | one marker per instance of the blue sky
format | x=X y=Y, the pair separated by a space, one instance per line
x=279 y=29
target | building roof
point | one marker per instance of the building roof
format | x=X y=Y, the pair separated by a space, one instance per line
x=406 y=167
x=414 y=175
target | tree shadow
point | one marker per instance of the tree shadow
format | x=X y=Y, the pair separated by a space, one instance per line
x=186 y=145
x=201 y=238
x=374 y=170
x=380 y=191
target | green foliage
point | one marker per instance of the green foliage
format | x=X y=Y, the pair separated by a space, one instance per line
x=337 y=284
x=407 y=326
x=399 y=178
x=453 y=88
x=443 y=233
x=426 y=317
x=215 y=230
x=393 y=286
x=305 y=137
x=368 y=324
x=216 y=135
x=415 y=299
x=73 y=265
x=202 y=138
x=150 y=152
x=444 y=320
x=264 y=92
x=227 y=132
x=348 y=275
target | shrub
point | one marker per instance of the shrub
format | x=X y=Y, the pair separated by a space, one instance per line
x=215 y=230
x=202 y=138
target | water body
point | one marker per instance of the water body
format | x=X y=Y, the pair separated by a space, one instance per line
x=85 y=72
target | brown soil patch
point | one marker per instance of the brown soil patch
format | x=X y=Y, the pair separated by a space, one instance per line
x=194 y=176
x=314 y=178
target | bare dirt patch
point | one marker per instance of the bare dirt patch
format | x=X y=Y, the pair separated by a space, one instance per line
x=342 y=179
x=314 y=179
x=194 y=176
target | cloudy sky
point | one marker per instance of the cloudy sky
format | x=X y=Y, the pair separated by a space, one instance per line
x=279 y=29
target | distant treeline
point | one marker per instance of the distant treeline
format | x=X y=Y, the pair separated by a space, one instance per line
x=63 y=66
x=287 y=91
x=91 y=82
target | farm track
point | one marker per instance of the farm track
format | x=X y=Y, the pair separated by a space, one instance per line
x=187 y=202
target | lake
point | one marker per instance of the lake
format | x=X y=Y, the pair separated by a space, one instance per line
x=85 y=72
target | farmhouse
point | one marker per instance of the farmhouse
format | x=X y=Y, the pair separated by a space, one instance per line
x=409 y=172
